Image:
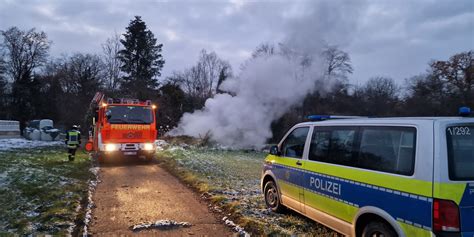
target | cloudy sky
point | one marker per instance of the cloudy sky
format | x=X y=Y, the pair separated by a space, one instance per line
x=384 y=37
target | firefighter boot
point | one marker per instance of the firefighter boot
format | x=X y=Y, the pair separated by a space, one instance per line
x=71 y=158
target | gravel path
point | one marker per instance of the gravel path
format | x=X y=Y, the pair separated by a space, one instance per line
x=131 y=193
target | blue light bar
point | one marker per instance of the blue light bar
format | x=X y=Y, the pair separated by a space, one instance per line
x=464 y=111
x=318 y=117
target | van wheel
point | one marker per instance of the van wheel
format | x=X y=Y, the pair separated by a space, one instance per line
x=378 y=229
x=272 y=197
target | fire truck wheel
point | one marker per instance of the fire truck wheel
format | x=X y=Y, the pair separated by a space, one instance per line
x=100 y=158
x=149 y=158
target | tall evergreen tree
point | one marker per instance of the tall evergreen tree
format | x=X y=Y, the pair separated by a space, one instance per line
x=141 y=60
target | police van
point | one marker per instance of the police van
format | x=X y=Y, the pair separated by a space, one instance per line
x=377 y=176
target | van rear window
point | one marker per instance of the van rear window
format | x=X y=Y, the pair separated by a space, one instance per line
x=461 y=152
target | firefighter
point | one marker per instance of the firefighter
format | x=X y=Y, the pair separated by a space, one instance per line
x=73 y=140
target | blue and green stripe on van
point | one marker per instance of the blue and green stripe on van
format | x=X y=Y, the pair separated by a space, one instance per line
x=407 y=200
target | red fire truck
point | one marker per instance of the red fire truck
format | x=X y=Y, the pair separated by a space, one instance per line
x=122 y=127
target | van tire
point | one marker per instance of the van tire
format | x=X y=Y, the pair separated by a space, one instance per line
x=272 y=197
x=377 y=228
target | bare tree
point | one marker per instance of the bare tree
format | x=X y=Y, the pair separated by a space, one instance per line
x=458 y=73
x=338 y=62
x=382 y=87
x=83 y=74
x=264 y=49
x=3 y=89
x=427 y=95
x=3 y=81
x=380 y=96
x=112 y=63
x=187 y=81
x=209 y=68
x=25 y=52
x=201 y=81
x=80 y=77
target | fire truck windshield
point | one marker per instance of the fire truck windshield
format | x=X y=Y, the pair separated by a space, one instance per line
x=129 y=114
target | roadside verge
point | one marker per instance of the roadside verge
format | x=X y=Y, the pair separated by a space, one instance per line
x=230 y=181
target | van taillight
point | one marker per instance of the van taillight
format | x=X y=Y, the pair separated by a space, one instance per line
x=445 y=216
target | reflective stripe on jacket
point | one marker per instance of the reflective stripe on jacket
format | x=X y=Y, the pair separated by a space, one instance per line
x=72 y=139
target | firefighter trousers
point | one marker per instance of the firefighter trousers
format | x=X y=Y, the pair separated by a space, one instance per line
x=72 y=153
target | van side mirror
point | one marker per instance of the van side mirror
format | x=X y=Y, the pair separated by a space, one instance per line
x=275 y=151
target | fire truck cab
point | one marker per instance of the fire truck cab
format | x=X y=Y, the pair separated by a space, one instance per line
x=122 y=127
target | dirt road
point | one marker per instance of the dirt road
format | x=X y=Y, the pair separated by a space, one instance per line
x=131 y=193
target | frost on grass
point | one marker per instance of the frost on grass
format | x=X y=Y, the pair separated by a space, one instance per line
x=235 y=227
x=160 y=224
x=90 y=202
x=16 y=143
x=160 y=144
x=234 y=175
x=40 y=192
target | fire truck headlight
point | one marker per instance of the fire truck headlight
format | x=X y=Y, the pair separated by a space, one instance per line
x=148 y=146
x=111 y=147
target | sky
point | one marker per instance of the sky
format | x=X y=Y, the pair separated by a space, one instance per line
x=385 y=38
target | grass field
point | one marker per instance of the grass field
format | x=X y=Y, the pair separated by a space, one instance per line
x=40 y=191
x=232 y=180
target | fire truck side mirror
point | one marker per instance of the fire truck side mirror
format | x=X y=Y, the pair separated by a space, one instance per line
x=108 y=114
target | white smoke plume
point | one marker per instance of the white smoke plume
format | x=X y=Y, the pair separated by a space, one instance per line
x=271 y=84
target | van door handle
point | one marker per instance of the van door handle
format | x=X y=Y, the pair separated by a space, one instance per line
x=299 y=163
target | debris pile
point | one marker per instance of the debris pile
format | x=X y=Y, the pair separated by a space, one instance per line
x=160 y=224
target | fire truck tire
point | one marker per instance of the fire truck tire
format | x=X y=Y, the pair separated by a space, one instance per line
x=149 y=158
x=100 y=157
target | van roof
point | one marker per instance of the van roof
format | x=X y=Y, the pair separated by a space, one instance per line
x=391 y=120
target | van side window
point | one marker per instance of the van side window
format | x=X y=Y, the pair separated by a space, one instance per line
x=319 y=148
x=342 y=146
x=293 y=146
x=333 y=145
x=388 y=149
